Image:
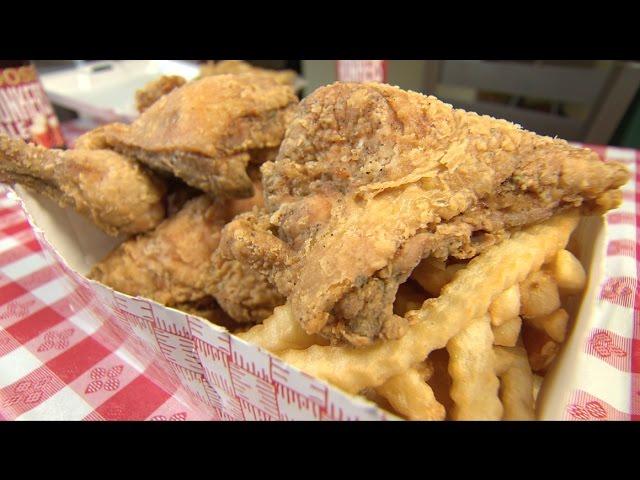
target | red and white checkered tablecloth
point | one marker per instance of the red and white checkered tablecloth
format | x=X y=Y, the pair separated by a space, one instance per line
x=59 y=359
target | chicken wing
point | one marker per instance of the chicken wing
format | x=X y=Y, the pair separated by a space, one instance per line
x=370 y=179
x=115 y=192
x=207 y=131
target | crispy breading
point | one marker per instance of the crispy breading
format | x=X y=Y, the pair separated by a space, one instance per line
x=207 y=131
x=370 y=179
x=173 y=264
x=152 y=91
x=167 y=264
x=115 y=192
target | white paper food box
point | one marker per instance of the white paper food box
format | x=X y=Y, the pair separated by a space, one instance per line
x=232 y=379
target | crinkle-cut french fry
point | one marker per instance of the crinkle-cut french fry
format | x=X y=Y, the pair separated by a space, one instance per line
x=280 y=332
x=474 y=387
x=506 y=335
x=433 y=274
x=568 y=272
x=539 y=295
x=555 y=324
x=440 y=380
x=373 y=396
x=506 y=306
x=411 y=396
x=486 y=276
x=537 y=384
x=516 y=383
x=425 y=369
x=541 y=348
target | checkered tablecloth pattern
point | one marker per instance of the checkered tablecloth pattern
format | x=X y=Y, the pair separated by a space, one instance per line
x=70 y=350
x=58 y=359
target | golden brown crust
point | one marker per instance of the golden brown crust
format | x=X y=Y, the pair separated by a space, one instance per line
x=152 y=91
x=168 y=264
x=115 y=192
x=204 y=131
x=245 y=294
x=173 y=264
x=370 y=179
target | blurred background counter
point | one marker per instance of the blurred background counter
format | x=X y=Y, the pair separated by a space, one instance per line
x=594 y=102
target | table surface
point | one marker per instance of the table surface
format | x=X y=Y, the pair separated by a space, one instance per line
x=57 y=363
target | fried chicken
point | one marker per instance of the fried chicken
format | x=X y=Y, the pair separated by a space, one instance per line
x=167 y=264
x=208 y=131
x=370 y=179
x=115 y=192
x=93 y=139
x=210 y=68
x=152 y=91
x=244 y=294
x=173 y=265
x=208 y=308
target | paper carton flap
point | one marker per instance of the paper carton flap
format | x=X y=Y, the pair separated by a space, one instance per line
x=74 y=237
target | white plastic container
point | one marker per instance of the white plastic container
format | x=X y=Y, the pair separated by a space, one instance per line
x=105 y=91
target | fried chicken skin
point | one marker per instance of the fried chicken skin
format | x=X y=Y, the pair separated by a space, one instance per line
x=115 y=192
x=173 y=265
x=370 y=179
x=207 y=131
x=244 y=293
x=152 y=91
x=167 y=264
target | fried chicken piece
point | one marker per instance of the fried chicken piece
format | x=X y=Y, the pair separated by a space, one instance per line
x=210 y=68
x=115 y=192
x=167 y=264
x=177 y=192
x=370 y=179
x=207 y=131
x=152 y=91
x=243 y=293
x=208 y=308
x=237 y=206
x=94 y=139
x=173 y=265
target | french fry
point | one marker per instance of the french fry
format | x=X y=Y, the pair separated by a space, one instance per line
x=555 y=324
x=433 y=274
x=539 y=295
x=537 y=384
x=411 y=396
x=506 y=306
x=474 y=387
x=541 y=348
x=280 y=332
x=506 y=335
x=516 y=383
x=373 y=396
x=568 y=272
x=487 y=275
x=440 y=380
